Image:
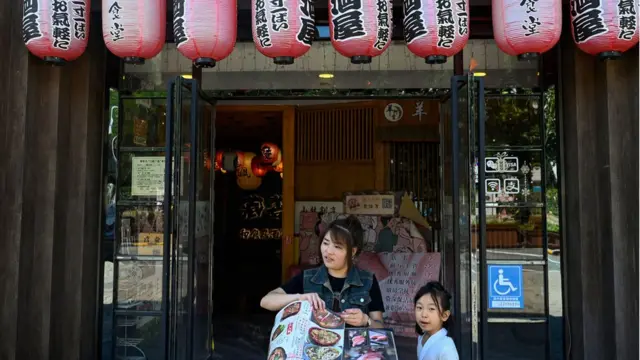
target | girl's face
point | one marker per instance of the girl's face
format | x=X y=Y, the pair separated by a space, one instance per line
x=429 y=317
x=334 y=254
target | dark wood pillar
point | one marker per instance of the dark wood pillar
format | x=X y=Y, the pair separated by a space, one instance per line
x=600 y=203
x=51 y=122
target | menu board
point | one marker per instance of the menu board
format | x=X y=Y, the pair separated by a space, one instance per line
x=302 y=333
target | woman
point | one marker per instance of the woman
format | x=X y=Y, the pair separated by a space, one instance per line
x=337 y=284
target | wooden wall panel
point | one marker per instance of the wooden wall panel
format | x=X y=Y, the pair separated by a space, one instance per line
x=599 y=201
x=328 y=181
x=50 y=198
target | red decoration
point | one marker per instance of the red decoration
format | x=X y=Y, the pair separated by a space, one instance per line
x=134 y=30
x=361 y=29
x=56 y=41
x=282 y=29
x=258 y=168
x=205 y=30
x=279 y=168
x=606 y=28
x=430 y=39
x=218 y=160
x=526 y=28
x=270 y=153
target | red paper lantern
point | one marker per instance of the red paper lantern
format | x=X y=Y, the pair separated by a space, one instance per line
x=360 y=29
x=56 y=31
x=258 y=168
x=270 y=153
x=526 y=28
x=606 y=28
x=435 y=30
x=282 y=29
x=134 y=30
x=279 y=168
x=205 y=30
x=218 y=160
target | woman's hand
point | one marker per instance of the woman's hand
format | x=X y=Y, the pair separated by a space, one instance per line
x=314 y=299
x=355 y=317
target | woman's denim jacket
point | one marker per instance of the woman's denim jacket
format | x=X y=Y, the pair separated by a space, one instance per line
x=354 y=294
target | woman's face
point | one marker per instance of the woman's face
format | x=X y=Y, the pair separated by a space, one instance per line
x=334 y=254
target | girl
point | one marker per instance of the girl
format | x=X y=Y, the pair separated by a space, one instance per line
x=433 y=310
x=337 y=284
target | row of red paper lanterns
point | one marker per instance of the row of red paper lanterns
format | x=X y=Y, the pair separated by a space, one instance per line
x=205 y=30
x=270 y=159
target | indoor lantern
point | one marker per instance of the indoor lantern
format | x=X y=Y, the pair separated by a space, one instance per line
x=282 y=29
x=134 y=30
x=360 y=29
x=56 y=31
x=526 y=28
x=245 y=178
x=217 y=165
x=435 y=30
x=606 y=28
x=205 y=30
x=258 y=167
x=270 y=153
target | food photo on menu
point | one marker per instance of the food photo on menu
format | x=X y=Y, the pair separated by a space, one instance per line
x=302 y=333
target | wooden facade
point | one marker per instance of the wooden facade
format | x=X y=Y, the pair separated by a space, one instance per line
x=51 y=122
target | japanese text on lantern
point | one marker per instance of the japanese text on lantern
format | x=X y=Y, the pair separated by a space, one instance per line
x=30 y=25
x=262 y=28
x=627 y=20
x=383 y=24
x=446 y=25
x=78 y=9
x=307 y=28
x=463 y=20
x=347 y=19
x=279 y=15
x=61 y=24
x=117 y=30
x=588 y=21
x=413 y=23
x=531 y=22
x=179 y=33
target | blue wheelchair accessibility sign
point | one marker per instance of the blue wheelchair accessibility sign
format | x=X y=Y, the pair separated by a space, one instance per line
x=505 y=287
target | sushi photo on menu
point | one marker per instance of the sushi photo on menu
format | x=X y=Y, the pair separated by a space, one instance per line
x=325 y=339
x=369 y=344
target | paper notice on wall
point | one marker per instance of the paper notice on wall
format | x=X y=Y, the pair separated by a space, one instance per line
x=374 y=204
x=147 y=176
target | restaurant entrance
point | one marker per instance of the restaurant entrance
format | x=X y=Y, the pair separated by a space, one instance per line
x=485 y=276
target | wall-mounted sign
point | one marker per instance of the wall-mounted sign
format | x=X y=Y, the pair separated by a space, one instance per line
x=492 y=186
x=147 y=175
x=501 y=164
x=512 y=186
x=505 y=287
x=393 y=112
x=254 y=207
x=370 y=204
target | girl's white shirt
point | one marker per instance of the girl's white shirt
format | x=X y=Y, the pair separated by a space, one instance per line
x=438 y=347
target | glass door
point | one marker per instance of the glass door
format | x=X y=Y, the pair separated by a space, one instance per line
x=462 y=148
x=189 y=226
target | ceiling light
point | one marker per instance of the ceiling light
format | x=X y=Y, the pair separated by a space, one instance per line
x=325 y=76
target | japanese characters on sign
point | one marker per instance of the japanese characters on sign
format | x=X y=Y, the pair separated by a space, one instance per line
x=531 y=21
x=627 y=19
x=61 y=24
x=384 y=34
x=261 y=26
x=446 y=25
x=78 y=10
x=463 y=17
x=587 y=19
x=307 y=29
x=279 y=15
x=117 y=30
x=413 y=22
x=30 y=21
x=348 y=19
x=179 y=32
